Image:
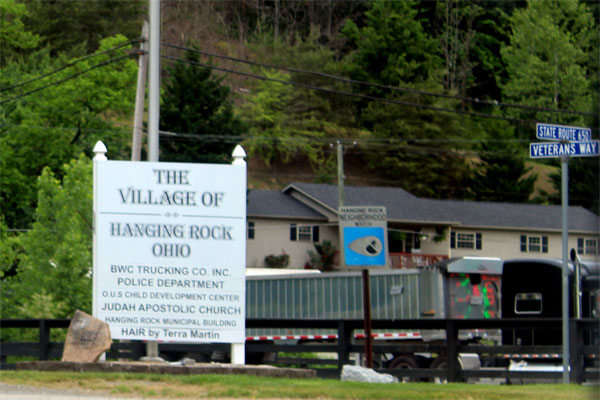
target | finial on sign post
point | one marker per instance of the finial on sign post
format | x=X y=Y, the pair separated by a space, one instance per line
x=238 y=155
x=100 y=151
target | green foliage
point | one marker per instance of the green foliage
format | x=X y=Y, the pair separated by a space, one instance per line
x=289 y=123
x=13 y=36
x=324 y=257
x=52 y=126
x=501 y=174
x=392 y=48
x=277 y=261
x=195 y=104
x=57 y=251
x=547 y=60
x=584 y=185
x=418 y=151
x=282 y=124
x=79 y=26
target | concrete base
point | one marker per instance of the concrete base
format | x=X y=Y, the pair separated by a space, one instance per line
x=162 y=368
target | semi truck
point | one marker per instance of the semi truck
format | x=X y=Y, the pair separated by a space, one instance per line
x=457 y=288
x=467 y=287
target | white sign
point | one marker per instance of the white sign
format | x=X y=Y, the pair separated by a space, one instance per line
x=170 y=251
x=561 y=132
x=363 y=231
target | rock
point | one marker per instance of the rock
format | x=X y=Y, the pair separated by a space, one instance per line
x=361 y=374
x=87 y=338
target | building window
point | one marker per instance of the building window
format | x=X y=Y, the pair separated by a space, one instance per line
x=250 y=230
x=587 y=246
x=466 y=240
x=534 y=244
x=304 y=233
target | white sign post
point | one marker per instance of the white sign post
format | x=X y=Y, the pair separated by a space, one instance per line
x=169 y=251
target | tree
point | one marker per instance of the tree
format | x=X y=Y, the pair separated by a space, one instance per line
x=547 y=60
x=13 y=36
x=584 y=186
x=501 y=174
x=66 y=116
x=57 y=251
x=196 y=109
x=392 y=48
x=408 y=145
x=79 y=26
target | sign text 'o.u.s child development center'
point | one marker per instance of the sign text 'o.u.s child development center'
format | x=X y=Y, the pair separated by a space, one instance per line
x=170 y=251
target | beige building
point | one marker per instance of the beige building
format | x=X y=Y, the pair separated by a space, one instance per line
x=420 y=231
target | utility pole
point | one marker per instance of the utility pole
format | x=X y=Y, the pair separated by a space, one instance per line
x=340 y=173
x=154 y=81
x=140 y=95
x=153 y=115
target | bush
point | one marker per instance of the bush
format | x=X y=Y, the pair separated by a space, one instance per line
x=324 y=258
x=280 y=261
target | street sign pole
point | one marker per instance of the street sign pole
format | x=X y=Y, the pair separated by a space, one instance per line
x=570 y=141
x=565 y=267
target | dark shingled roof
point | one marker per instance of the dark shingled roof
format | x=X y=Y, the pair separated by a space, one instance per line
x=402 y=206
x=274 y=203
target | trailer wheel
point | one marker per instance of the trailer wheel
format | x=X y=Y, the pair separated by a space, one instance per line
x=441 y=363
x=404 y=362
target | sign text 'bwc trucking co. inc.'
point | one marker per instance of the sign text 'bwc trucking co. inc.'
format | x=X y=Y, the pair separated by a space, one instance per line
x=170 y=251
x=363 y=231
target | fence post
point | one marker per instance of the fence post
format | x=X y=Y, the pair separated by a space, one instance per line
x=451 y=353
x=576 y=347
x=344 y=336
x=44 y=335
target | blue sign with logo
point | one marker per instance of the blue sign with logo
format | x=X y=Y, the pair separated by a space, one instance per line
x=364 y=246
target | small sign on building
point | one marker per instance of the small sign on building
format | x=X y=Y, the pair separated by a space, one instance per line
x=363 y=233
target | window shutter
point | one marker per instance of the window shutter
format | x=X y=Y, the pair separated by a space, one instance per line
x=315 y=233
x=478 y=241
x=293 y=232
x=523 y=243
x=452 y=240
x=250 y=230
x=580 y=246
x=544 y=244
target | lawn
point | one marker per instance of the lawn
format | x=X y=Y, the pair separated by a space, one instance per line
x=251 y=387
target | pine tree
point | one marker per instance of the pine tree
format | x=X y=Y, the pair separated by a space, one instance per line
x=195 y=106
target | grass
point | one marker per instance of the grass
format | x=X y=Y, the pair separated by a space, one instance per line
x=251 y=387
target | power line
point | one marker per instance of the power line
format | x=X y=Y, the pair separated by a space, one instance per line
x=69 y=65
x=351 y=94
x=102 y=64
x=376 y=145
x=381 y=86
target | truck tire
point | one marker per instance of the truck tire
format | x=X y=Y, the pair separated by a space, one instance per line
x=404 y=362
x=441 y=363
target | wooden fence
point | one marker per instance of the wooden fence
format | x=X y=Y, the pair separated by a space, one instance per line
x=584 y=348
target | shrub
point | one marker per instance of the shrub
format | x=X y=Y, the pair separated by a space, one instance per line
x=324 y=257
x=280 y=261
